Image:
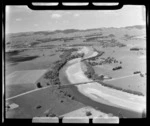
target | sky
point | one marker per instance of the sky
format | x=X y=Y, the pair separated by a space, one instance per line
x=23 y=19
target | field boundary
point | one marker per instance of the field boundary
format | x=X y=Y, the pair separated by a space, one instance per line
x=132 y=75
x=28 y=92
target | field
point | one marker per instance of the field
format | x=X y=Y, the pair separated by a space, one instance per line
x=22 y=81
x=16 y=89
x=24 y=77
x=44 y=102
x=135 y=83
x=34 y=54
x=84 y=112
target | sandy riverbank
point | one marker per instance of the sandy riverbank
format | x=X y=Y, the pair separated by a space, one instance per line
x=100 y=106
x=115 y=97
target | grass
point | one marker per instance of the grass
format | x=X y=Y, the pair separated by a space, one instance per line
x=12 y=90
x=133 y=83
x=20 y=59
x=47 y=99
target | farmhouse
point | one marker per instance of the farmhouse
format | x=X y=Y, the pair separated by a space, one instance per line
x=12 y=106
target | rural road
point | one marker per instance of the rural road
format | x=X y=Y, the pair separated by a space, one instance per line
x=27 y=92
x=132 y=75
x=91 y=90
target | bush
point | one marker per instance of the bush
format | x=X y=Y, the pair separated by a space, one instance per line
x=88 y=113
x=144 y=114
x=136 y=72
x=52 y=115
x=120 y=115
x=134 y=49
x=48 y=84
x=69 y=95
x=117 y=68
x=39 y=106
x=39 y=85
x=73 y=97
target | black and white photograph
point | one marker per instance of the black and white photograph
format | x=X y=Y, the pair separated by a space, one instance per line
x=75 y=65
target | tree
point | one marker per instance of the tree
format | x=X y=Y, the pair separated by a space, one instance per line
x=39 y=85
x=144 y=114
x=120 y=114
x=88 y=113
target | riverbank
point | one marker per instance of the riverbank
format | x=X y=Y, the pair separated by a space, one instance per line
x=96 y=105
x=90 y=73
x=102 y=94
x=87 y=101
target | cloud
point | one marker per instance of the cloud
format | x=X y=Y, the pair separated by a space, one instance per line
x=36 y=25
x=76 y=15
x=65 y=21
x=56 y=16
x=18 y=19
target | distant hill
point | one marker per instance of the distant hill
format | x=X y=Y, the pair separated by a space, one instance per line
x=136 y=26
x=101 y=35
x=66 y=31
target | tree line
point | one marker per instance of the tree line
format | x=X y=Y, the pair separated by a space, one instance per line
x=90 y=73
x=53 y=75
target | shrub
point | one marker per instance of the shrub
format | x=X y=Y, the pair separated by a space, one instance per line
x=69 y=95
x=48 y=84
x=88 y=113
x=144 y=114
x=39 y=85
x=134 y=49
x=52 y=115
x=39 y=106
x=136 y=72
x=117 y=68
x=73 y=97
x=120 y=115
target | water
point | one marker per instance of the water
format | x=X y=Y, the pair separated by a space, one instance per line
x=99 y=106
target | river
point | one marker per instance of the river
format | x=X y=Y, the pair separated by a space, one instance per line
x=99 y=102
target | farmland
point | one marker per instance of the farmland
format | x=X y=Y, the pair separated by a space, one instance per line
x=42 y=56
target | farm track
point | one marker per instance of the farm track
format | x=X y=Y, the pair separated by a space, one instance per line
x=27 y=93
x=132 y=75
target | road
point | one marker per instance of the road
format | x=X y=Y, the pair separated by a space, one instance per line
x=132 y=75
x=28 y=92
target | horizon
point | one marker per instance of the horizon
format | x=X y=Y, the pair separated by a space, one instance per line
x=72 y=29
x=21 y=19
